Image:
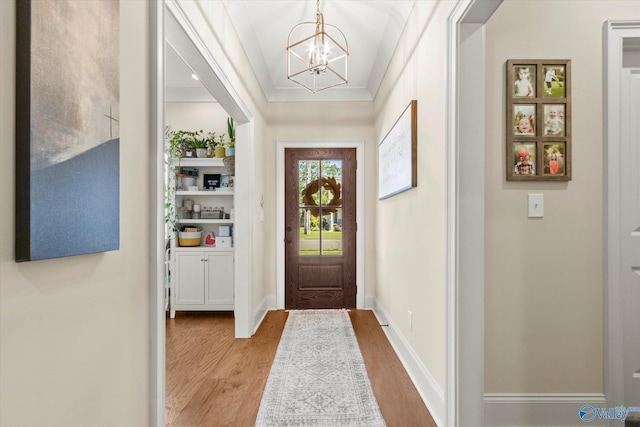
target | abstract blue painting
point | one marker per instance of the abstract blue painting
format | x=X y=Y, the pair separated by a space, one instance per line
x=67 y=128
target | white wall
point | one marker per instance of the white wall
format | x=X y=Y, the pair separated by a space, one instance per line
x=74 y=332
x=208 y=116
x=544 y=277
x=411 y=226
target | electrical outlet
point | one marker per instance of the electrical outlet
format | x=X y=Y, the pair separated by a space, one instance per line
x=410 y=320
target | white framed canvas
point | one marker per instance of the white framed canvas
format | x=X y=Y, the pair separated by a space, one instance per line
x=398 y=155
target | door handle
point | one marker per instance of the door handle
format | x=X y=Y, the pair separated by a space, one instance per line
x=287 y=240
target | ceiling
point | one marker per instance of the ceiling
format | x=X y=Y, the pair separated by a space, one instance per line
x=372 y=29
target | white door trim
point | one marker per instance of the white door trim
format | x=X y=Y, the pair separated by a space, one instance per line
x=465 y=212
x=189 y=43
x=614 y=34
x=360 y=213
x=156 y=217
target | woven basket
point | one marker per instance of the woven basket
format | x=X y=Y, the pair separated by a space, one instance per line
x=230 y=164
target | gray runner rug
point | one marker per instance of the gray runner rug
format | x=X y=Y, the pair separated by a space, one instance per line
x=318 y=377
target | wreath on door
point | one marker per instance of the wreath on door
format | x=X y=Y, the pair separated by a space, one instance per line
x=312 y=188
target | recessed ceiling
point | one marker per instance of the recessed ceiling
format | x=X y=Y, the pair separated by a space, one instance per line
x=179 y=85
x=372 y=29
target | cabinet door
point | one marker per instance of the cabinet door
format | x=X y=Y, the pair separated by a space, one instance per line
x=219 y=278
x=189 y=283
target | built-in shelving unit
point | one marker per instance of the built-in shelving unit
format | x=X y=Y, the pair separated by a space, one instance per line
x=203 y=276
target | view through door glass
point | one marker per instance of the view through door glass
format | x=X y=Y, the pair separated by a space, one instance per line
x=320 y=228
x=320 y=207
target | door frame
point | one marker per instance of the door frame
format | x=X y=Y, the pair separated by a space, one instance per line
x=615 y=31
x=199 y=57
x=464 y=371
x=360 y=214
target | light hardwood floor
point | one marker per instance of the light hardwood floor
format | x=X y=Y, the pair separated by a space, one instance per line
x=214 y=379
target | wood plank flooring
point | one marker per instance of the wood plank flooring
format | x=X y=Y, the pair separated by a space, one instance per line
x=213 y=379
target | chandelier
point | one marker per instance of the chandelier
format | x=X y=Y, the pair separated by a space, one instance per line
x=317 y=54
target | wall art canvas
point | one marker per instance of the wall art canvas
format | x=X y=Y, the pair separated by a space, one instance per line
x=67 y=128
x=398 y=155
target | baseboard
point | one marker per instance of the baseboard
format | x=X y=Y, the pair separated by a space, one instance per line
x=369 y=302
x=540 y=410
x=267 y=303
x=427 y=387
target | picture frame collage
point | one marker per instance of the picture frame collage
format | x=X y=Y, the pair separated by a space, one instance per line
x=538 y=120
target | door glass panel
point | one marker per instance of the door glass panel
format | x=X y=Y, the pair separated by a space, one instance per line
x=332 y=233
x=309 y=233
x=331 y=192
x=308 y=184
x=320 y=206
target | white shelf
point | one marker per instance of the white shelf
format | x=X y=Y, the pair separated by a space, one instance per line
x=209 y=161
x=204 y=221
x=202 y=248
x=204 y=193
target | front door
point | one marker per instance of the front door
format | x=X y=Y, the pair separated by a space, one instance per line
x=320 y=228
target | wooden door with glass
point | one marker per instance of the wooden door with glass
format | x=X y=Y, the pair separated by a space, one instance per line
x=320 y=228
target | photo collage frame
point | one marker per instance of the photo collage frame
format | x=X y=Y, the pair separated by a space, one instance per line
x=538 y=120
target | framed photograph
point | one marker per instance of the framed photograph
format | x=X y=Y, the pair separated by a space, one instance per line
x=524 y=159
x=211 y=181
x=538 y=126
x=553 y=119
x=554 y=77
x=398 y=155
x=554 y=158
x=226 y=183
x=524 y=119
x=524 y=81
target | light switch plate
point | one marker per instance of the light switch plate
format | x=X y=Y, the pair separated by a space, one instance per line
x=536 y=205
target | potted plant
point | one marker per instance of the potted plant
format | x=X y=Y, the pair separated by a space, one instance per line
x=183 y=142
x=219 y=149
x=231 y=128
x=199 y=145
x=210 y=142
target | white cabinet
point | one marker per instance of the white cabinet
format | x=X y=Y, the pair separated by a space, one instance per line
x=203 y=280
x=202 y=277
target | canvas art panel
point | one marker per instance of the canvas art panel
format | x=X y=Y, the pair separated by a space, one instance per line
x=67 y=128
x=398 y=155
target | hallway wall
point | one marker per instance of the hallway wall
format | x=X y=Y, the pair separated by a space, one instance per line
x=74 y=332
x=544 y=277
x=411 y=226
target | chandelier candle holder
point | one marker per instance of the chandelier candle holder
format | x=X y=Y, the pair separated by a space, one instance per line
x=317 y=54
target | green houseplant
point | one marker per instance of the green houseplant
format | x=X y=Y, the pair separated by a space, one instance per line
x=219 y=148
x=183 y=142
x=231 y=128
